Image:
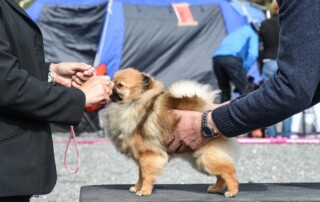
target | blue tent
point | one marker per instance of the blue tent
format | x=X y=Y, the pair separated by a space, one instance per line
x=139 y=33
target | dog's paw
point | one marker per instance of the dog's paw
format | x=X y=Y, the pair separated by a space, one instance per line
x=133 y=189
x=229 y=194
x=143 y=193
x=213 y=189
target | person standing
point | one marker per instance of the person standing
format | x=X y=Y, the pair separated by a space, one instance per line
x=234 y=57
x=300 y=121
x=34 y=93
x=269 y=37
x=292 y=89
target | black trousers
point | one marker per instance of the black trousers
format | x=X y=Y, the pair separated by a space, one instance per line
x=229 y=69
x=15 y=199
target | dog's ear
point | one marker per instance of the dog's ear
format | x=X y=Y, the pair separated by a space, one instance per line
x=146 y=80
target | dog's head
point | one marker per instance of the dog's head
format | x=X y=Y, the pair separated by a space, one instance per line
x=130 y=84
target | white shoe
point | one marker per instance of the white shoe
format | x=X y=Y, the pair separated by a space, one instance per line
x=294 y=136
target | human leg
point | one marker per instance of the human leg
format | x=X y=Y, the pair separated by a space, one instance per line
x=295 y=124
x=268 y=69
x=222 y=78
x=271 y=131
x=236 y=72
x=316 y=111
x=286 y=127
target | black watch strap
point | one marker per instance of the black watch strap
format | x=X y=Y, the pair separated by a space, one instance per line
x=206 y=129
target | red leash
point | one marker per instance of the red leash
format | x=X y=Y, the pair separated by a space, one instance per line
x=72 y=136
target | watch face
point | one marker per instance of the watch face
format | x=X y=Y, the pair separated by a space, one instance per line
x=50 y=78
x=206 y=131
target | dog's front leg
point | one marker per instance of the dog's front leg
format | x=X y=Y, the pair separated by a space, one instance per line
x=138 y=185
x=151 y=166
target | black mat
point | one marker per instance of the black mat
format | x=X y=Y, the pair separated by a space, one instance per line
x=198 y=192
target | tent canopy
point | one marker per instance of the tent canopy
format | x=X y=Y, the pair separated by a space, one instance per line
x=138 y=33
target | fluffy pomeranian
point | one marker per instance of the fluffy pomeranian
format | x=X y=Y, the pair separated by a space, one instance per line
x=139 y=121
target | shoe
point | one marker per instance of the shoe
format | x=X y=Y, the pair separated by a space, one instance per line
x=294 y=136
x=311 y=136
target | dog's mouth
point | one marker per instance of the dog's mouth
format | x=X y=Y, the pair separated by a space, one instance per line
x=116 y=96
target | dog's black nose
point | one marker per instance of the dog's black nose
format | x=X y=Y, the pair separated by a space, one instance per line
x=115 y=97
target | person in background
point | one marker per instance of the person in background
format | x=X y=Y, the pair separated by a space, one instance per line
x=232 y=60
x=269 y=37
x=35 y=93
x=292 y=89
x=310 y=116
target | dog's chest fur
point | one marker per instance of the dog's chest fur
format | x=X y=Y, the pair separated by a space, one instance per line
x=125 y=120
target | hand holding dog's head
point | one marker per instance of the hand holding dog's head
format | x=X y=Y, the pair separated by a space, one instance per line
x=130 y=84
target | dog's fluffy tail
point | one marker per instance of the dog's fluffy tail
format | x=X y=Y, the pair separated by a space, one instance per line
x=189 y=88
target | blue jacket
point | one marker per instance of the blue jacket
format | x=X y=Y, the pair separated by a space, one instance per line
x=242 y=43
x=296 y=84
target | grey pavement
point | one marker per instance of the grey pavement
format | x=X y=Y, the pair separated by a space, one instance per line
x=101 y=164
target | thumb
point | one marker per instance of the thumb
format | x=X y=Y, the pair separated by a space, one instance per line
x=80 y=67
x=170 y=140
x=172 y=145
x=62 y=81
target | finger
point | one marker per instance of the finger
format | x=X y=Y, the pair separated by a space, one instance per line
x=170 y=140
x=174 y=146
x=105 y=78
x=77 y=80
x=80 y=67
x=88 y=73
x=75 y=85
x=106 y=92
x=110 y=93
x=107 y=82
x=111 y=86
x=91 y=72
x=103 y=102
x=82 y=76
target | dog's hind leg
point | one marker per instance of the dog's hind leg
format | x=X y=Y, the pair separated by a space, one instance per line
x=151 y=165
x=218 y=165
x=227 y=175
x=231 y=179
x=218 y=187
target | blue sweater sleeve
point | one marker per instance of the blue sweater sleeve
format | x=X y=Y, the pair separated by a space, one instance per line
x=294 y=87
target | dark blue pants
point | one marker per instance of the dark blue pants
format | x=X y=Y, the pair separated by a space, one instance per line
x=229 y=69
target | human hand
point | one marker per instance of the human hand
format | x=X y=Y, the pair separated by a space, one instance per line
x=97 y=89
x=81 y=77
x=67 y=73
x=187 y=135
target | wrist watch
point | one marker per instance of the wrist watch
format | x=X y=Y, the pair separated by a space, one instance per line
x=51 y=77
x=206 y=129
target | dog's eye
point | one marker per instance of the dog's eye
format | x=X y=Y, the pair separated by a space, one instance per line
x=120 y=85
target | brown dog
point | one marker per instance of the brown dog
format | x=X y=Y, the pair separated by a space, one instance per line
x=140 y=120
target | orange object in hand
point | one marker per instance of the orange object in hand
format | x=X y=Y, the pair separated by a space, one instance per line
x=100 y=70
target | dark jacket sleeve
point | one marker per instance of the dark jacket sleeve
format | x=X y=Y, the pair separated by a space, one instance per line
x=24 y=96
x=294 y=87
